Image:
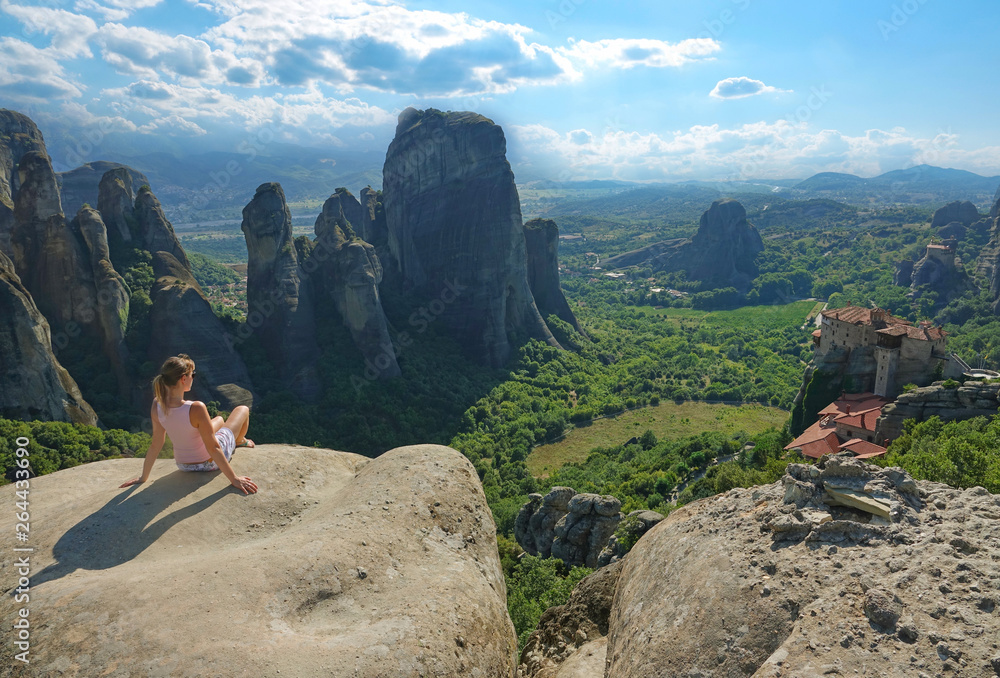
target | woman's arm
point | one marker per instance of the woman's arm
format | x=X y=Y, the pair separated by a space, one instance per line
x=201 y=421
x=155 y=445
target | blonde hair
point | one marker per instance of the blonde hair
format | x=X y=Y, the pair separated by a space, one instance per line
x=170 y=373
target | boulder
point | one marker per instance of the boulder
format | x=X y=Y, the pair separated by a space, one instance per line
x=963 y=212
x=182 y=321
x=279 y=292
x=154 y=232
x=541 y=238
x=350 y=273
x=33 y=385
x=722 y=251
x=717 y=590
x=455 y=230
x=563 y=524
x=339 y=566
x=636 y=524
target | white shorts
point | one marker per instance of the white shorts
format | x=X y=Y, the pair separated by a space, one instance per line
x=227 y=441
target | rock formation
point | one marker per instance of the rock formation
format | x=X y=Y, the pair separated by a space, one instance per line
x=155 y=232
x=971 y=399
x=18 y=136
x=722 y=252
x=182 y=321
x=563 y=524
x=903 y=275
x=455 y=229
x=988 y=264
x=937 y=270
x=376 y=232
x=789 y=580
x=995 y=212
x=33 y=385
x=83 y=184
x=112 y=295
x=116 y=203
x=636 y=524
x=279 y=296
x=964 y=212
x=350 y=273
x=339 y=566
x=571 y=639
x=955 y=230
x=541 y=238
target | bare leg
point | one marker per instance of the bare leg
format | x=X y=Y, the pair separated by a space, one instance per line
x=217 y=423
x=239 y=422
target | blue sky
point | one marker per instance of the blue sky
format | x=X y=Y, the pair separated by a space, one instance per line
x=635 y=90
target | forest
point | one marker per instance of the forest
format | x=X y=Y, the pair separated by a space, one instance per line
x=643 y=345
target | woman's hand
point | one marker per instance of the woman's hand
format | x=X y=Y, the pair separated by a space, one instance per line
x=244 y=483
x=134 y=481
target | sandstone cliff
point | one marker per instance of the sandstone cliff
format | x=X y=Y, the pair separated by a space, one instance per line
x=971 y=399
x=18 y=136
x=182 y=321
x=785 y=580
x=376 y=231
x=455 y=229
x=339 y=566
x=83 y=184
x=116 y=203
x=112 y=295
x=279 y=295
x=541 y=237
x=350 y=273
x=721 y=253
x=33 y=385
x=155 y=232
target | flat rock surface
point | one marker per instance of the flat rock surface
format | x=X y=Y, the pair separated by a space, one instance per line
x=718 y=589
x=338 y=566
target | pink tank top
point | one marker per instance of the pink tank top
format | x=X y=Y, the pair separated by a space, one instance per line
x=189 y=448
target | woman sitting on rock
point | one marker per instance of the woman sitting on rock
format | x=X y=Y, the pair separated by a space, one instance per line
x=200 y=443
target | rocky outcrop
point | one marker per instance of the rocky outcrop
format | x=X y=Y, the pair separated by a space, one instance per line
x=571 y=639
x=49 y=255
x=350 y=273
x=368 y=567
x=182 y=321
x=636 y=524
x=785 y=580
x=279 y=295
x=995 y=211
x=116 y=203
x=955 y=230
x=154 y=232
x=112 y=295
x=722 y=252
x=936 y=269
x=33 y=385
x=563 y=524
x=455 y=229
x=18 y=136
x=971 y=399
x=903 y=275
x=375 y=228
x=964 y=212
x=83 y=185
x=541 y=238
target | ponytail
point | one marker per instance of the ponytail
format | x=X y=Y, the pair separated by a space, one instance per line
x=170 y=373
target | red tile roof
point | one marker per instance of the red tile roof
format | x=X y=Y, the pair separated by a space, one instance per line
x=862 y=449
x=859 y=315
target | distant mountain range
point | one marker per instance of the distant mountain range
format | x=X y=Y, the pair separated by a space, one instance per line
x=922 y=184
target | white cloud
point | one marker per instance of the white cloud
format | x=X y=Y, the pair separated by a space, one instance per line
x=742 y=87
x=70 y=32
x=762 y=150
x=629 y=53
x=174 y=126
x=114 y=10
x=32 y=75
